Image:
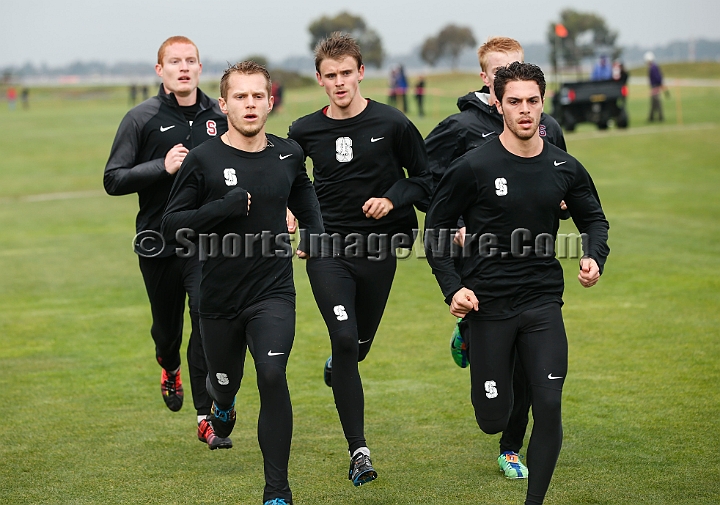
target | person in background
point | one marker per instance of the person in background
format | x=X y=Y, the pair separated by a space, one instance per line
x=401 y=87
x=11 y=95
x=656 y=88
x=420 y=94
x=602 y=70
x=619 y=73
x=25 y=98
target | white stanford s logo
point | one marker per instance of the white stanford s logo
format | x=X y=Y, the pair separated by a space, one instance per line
x=343 y=149
x=211 y=127
x=230 y=177
x=501 y=186
x=340 y=312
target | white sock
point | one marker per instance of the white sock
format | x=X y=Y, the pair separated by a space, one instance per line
x=363 y=450
x=200 y=418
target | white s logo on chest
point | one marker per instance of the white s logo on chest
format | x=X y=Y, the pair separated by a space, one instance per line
x=501 y=188
x=343 y=149
x=230 y=177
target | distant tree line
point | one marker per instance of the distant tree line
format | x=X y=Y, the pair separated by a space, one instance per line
x=586 y=35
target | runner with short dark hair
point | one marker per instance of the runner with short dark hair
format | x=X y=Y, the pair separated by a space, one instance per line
x=508 y=192
x=477 y=123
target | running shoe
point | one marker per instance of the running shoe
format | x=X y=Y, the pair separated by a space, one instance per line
x=207 y=434
x=172 y=390
x=361 y=469
x=511 y=465
x=222 y=421
x=277 y=501
x=458 y=347
x=327 y=372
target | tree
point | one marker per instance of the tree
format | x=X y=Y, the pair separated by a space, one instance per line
x=448 y=43
x=259 y=59
x=453 y=39
x=430 y=51
x=571 y=48
x=367 y=38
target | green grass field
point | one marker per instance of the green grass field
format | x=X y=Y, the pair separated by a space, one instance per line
x=83 y=422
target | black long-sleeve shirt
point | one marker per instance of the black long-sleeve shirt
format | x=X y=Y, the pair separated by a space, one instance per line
x=210 y=196
x=362 y=157
x=146 y=134
x=498 y=193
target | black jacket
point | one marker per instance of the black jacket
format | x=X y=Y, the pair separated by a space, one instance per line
x=146 y=134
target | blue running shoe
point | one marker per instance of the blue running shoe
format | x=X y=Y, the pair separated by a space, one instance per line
x=458 y=347
x=222 y=421
x=361 y=469
x=511 y=466
x=277 y=501
x=327 y=372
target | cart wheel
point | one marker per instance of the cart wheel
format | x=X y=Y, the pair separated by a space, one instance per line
x=622 y=119
x=569 y=122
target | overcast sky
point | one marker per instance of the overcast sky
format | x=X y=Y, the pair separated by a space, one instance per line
x=57 y=32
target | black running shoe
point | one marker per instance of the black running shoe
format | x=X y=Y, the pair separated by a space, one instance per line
x=327 y=372
x=172 y=390
x=361 y=469
x=207 y=434
x=222 y=421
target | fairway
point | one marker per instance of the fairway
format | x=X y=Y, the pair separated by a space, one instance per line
x=83 y=421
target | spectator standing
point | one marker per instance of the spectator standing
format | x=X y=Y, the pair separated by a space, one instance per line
x=11 y=97
x=132 y=98
x=401 y=86
x=420 y=94
x=656 y=88
x=25 y=98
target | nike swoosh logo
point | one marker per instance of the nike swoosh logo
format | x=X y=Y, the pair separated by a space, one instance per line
x=487 y=134
x=270 y=353
x=373 y=139
x=286 y=156
x=558 y=163
x=364 y=341
x=166 y=128
x=550 y=376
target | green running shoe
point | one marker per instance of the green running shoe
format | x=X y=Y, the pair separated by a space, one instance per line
x=511 y=466
x=458 y=347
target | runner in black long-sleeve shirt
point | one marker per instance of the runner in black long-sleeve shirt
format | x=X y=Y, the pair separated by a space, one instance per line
x=232 y=192
x=508 y=193
x=477 y=123
x=359 y=148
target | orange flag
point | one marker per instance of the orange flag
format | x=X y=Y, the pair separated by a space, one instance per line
x=561 y=31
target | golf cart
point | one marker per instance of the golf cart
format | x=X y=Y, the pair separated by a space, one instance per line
x=595 y=102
